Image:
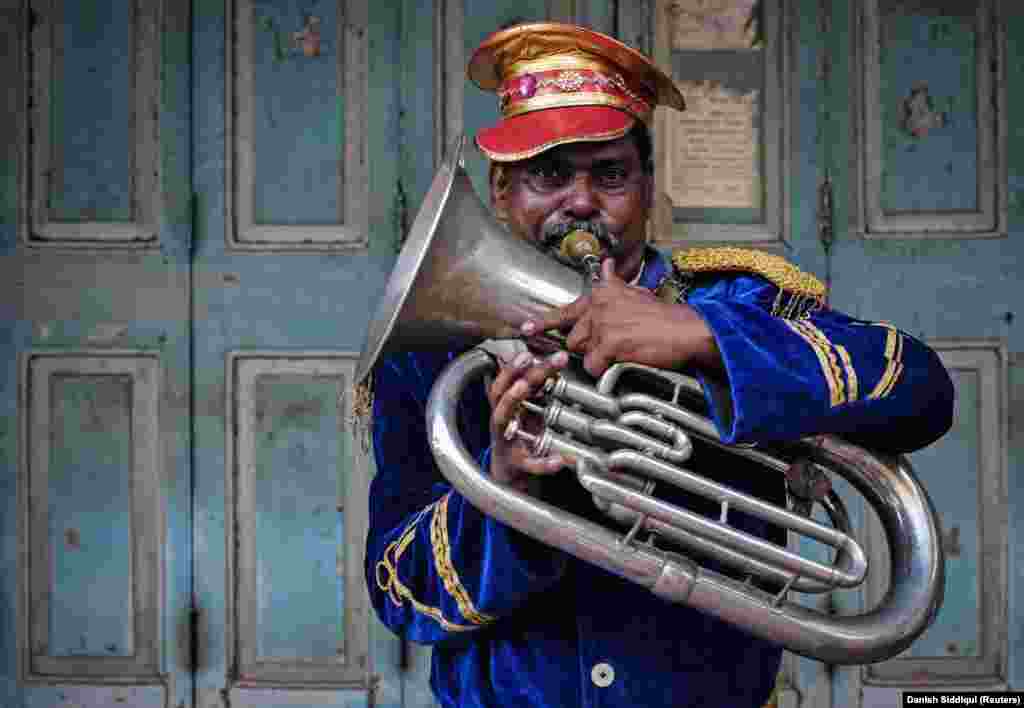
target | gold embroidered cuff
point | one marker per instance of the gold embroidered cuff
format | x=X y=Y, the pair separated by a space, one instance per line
x=894 y=363
x=822 y=348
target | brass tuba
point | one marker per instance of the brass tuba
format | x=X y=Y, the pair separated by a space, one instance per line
x=462 y=278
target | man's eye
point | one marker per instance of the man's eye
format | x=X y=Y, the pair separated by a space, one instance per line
x=548 y=176
x=612 y=177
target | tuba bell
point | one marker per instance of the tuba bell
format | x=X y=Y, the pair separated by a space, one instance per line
x=461 y=278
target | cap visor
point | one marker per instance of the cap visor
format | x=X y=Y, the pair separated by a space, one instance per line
x=528 y=134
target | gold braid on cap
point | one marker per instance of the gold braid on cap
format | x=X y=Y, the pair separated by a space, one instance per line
x=800 y=293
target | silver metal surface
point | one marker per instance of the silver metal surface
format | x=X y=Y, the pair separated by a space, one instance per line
x=462 y=276
x=889 y=485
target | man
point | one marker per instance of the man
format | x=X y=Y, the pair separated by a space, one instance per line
x=513 y=622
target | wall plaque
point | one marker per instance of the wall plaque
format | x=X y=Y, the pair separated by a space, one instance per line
x=721 y=163
x=714 y=149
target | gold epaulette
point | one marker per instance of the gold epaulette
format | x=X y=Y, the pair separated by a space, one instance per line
x=799 y=292
x=362 y=411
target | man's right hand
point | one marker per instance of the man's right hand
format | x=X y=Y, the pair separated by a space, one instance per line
x=512 y=461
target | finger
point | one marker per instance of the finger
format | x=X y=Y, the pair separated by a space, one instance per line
x=542 y=466
x=580 y=334
x=557 y=319
x=506 y=408
x=547 y=367
x=529 y=381
x=507 y=376
x=608 y=274
x=597 y=361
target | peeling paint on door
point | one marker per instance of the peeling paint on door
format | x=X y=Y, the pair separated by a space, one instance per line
x=919 y=114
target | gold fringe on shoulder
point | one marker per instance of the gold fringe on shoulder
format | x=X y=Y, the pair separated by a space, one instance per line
x=799 y=292
x=728 y=258
x=362 y=411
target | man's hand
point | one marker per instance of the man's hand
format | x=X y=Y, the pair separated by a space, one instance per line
x=620 y=322
x=512 y=461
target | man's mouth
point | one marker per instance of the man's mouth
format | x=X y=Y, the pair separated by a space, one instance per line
x=552 y=236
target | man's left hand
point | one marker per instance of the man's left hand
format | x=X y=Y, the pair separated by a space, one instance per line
x=621 y=322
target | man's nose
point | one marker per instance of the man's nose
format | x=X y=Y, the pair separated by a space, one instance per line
x=581 y=200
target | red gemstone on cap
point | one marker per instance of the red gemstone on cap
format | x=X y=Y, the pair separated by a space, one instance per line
x=527 y=85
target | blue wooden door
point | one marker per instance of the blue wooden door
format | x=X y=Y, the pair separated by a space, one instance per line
x=882 y=159
x=295 y=175
x=927 y=236
x=201 y=205
x=95 y=235
x=904 y=174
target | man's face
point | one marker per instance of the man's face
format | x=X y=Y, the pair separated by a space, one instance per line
x=602 y=185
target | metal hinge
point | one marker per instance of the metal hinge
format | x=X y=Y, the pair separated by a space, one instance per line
x=826 y=232
x=193 y=640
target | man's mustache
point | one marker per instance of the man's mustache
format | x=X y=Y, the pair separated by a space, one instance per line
x=551 y=237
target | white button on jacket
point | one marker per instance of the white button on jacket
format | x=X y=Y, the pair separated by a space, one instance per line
x=602 y=675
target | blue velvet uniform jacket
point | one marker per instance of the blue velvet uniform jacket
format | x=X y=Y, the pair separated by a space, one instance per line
x=516 y=623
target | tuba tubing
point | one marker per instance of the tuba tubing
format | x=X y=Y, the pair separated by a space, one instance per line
x=461 y=277
x=908 y=519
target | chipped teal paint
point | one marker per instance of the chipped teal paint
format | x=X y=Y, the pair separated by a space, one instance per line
x=949 y=289
x=92 y=106
x=14 y=337
x=956 y=494
x=1011 y=271
x=88 y=507
x=298 y=118
x=937 y=171
x=296 y=302
x=95 y=696
x=1015 y=491
x=87 y=302
x=806 y=137
x=300 y=454
x=480 y=108
x=417 y=61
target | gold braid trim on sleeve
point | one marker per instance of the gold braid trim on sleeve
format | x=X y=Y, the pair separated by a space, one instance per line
x=800 y=293
x=851 y=373
x=822 y=349
x=398 y=592
x=894 y=363
x=445 y=567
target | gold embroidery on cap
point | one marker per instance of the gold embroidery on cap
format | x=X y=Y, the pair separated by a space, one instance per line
x=561 y=61
x=532 y=91
x=582 y=98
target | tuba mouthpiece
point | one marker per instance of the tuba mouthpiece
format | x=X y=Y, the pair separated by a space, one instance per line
x=583 y=249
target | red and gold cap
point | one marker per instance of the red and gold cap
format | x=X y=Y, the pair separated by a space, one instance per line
x=560 y=83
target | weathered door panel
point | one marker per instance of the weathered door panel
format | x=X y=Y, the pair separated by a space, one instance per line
x=923 y=239
x=315 y=132
x=295 y=173
x=893 y=170
x=95 y=233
